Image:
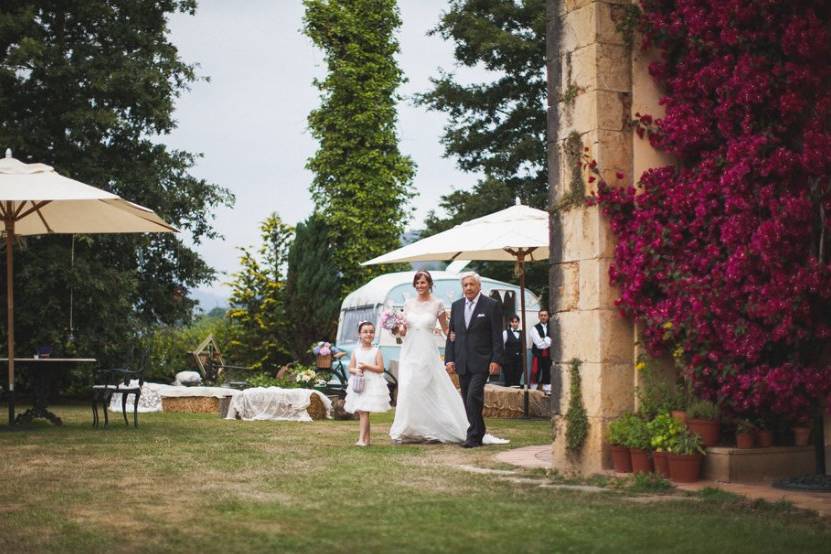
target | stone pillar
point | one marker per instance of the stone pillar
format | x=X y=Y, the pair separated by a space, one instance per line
x=595 y=111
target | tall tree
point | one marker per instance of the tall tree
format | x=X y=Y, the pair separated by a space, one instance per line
x=88 y=87
x=497 y=127
x=361 y=180
x=259 y=333
x=312 y=286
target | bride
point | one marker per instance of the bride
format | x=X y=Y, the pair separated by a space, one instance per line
x=429 y=407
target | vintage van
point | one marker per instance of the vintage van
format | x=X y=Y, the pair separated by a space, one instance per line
x=391 y=290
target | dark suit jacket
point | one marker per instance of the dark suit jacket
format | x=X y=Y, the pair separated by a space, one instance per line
x=480 y=344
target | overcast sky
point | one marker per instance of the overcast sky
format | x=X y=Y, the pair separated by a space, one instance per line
x=249 y=121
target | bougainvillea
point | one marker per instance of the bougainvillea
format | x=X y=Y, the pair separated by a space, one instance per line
x=722 y=257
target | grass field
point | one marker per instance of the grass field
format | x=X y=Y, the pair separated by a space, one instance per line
x=195 y=483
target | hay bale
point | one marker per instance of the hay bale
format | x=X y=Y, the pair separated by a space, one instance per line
x=316 y=409
x=191 y=404
x=510 y=402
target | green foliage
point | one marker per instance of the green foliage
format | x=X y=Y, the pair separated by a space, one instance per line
x=648 y=483
x=577 y=422
x=621 y=428
x=657 y=394
x=168 y=345
x=268 y=380
x=702 y=409
x=637 y=434
x=662 y=431
x=686 y=442
x=312 y=287
x=361 y=180
x=88 y=87
x=259 y=333
x=495 y=128
x=745 y=426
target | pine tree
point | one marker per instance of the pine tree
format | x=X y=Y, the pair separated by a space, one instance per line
x=312 y=287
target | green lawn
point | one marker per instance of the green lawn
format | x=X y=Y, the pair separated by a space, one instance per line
x=195 y=483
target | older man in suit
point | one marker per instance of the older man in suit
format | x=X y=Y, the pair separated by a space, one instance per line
x=475 y=351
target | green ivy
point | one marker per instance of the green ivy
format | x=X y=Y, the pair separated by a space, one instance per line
x=577 y=422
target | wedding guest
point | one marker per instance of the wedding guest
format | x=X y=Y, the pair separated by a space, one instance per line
x=541 y=352
x=512 y=361
x=367 y=391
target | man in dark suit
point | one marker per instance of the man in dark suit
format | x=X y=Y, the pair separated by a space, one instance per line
x=475 y=352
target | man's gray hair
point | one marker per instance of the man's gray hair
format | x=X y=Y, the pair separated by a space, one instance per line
x=470 y=275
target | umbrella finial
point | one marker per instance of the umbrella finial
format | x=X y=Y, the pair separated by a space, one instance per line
x=518 y=202
x=8 y=152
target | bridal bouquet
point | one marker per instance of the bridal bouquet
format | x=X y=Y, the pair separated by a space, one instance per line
x=392 y=321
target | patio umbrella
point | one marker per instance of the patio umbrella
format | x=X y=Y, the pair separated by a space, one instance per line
x=516 y=234
x=36 y=200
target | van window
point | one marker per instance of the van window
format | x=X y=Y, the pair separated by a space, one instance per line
x=352 y=317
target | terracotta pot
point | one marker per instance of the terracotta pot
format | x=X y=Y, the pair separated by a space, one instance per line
x=680 y=416
x=621 y=460
x=685 y=468
x=661 y=463
x=641 y=461
x=801 y=436
x=707 y=429
x=744 y=440
x=764 y=438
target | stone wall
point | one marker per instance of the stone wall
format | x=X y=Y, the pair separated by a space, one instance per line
x=603 y=85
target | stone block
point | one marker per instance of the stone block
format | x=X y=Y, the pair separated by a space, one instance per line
x=594 y=109
x=613 y=67
x=595 y=290
x=586 y=234
x=594 y=457
x=750 y=465
x=595 y=336
x=605 y=15
x=580 y=68
x=579 y=28
x=608 y=389
x=569 y=293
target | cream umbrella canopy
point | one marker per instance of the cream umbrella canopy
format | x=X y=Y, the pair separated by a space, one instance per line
x=517 y=234
x=36 y=200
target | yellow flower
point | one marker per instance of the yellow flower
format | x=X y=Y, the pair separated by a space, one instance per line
x=667 y=325
x=640 y=366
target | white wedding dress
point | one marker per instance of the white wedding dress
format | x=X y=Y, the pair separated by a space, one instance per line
x=429 y=407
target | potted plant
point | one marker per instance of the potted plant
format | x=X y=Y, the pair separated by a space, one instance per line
x=801 y=433
x=764 y=436
x=618 y=436
x=638 y=441
x=662 y=431
x=685 y=457
x=745 y=433
x=702 y=419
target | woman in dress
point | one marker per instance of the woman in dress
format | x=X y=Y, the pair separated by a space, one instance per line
x=429 y=407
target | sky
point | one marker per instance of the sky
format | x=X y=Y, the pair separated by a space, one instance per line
x=249 y=120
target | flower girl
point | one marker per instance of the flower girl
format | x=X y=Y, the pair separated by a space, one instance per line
x=367 y=391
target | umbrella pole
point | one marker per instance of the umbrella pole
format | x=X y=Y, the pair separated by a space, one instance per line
x=523 y=346
x=10 y=304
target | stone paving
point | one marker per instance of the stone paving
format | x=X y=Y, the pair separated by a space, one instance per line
x=540 y=457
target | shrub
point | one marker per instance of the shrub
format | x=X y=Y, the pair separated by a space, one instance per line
x=702 y=409
x=686 y=442
x=663 y=430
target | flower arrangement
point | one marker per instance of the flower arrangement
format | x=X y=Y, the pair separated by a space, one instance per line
x=392 y=321
x=323 y=348
x=308 y=377
x=722 y=258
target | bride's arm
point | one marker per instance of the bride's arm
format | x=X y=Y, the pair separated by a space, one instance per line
x=443 y=322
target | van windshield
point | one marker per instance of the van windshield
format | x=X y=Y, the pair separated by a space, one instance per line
x=352 y=317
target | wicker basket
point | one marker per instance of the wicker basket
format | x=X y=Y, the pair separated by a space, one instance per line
x=324 y=362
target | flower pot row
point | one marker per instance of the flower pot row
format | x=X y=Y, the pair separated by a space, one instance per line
x=681 y=468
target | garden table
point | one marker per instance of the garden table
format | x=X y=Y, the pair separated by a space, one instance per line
x=44 y=370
